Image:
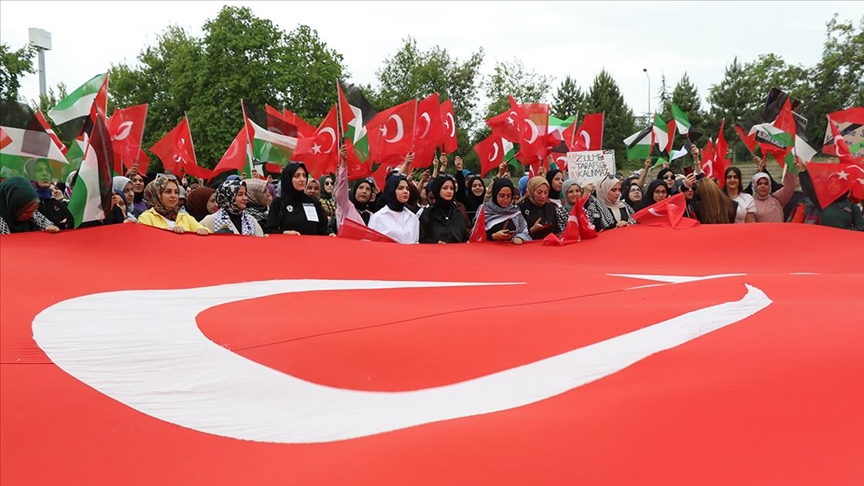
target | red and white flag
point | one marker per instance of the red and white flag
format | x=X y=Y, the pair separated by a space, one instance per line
x=391 y=132
x=448 y=123
x=428 y=131
x=126 y=127
x=177 y=153
x=320 y=152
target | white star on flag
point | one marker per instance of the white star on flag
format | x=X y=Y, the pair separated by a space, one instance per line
x=843 y=175
x=316 y=149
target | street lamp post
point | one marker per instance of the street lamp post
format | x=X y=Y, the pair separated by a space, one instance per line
x=41 y=40
x=648 y=115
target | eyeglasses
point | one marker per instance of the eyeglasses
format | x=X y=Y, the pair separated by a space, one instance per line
x=669 y=176
x=328 y=183
x=686 y=189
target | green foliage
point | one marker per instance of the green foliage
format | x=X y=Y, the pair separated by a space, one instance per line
x=240 y=56
x=735 y=100
x=50 y=99
x=837 y=81
x=568 y=100
x=664 y=108
x=605 y=96
x=414 y=74
x=13 y=65
x=513 y=79
x=686 y=97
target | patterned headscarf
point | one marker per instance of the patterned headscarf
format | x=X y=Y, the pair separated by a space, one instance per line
x=256 y=191
x=153 y=196
x=226 y=194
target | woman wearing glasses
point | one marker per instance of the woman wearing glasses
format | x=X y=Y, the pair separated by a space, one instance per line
x=504 y=220
x=327 y=200
x=656 y=192
x=667 y=177
x=607 y=211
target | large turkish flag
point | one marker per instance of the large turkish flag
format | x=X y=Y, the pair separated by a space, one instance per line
x=366 y=363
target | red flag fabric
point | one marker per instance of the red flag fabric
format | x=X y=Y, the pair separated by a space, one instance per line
x=380 y=175
x=830 y=181
x=841 y=148
x=304 y=128
x=100 y=103
x=126 y=127
x=749 y=140
x=507 y=125
x=668 y=213
x=391 y=132
x=353 y=230
x=533 y=129
x=407 y=396
x=320 y=152
x=345 y=112
x=356 y=169
x=5 y=139
x=589 y=135
x=50 y=132
x=428 y=131
x=176 y=152
x=142 y=162
x=849 y=115
x=448 y=132
x=478 y=232
x=234 y=157
x=490 y=151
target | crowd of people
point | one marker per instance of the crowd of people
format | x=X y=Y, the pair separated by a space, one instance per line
x=436 y=205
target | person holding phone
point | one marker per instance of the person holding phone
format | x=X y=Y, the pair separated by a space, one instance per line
x=538 y=212
x=504 y=220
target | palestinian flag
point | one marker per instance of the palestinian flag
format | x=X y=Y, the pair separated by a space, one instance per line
x=91 y=196
x=355 y=112
x=660 y=135
x=25 y=142
x=70 y=115
x=272 y=139
x=681 y=119
x=638 y=145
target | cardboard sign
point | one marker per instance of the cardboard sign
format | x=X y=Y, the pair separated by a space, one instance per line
x=591 y=165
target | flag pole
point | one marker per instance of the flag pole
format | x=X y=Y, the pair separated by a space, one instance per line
x=191 y=144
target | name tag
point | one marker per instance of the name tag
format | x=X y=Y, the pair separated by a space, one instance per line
x=311 y=213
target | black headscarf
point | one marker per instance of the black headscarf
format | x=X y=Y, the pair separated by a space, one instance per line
x=648 y=196
x=473 y=202
x=289 y=194
x=390 y=192
x=553 y=194
x=365 y=209
x=435 y=189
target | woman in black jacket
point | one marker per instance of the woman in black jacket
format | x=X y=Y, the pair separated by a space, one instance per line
x=295 y=212
x=443 y=222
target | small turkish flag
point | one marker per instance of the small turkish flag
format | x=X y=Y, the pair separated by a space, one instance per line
x=448 y=123
x=391 y=132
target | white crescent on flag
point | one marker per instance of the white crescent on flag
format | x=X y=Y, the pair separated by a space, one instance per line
x=239 y=398
x=400 y=131
x=124 y=130
x=495 y=153
x=534 y=132
x=329 y=131
x=587 y=138
x=425 y=116
x=452 y=125
x=655 y=213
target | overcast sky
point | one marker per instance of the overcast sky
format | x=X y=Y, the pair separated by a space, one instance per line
x=553 y=38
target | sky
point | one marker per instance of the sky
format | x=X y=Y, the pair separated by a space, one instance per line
x=552 y=38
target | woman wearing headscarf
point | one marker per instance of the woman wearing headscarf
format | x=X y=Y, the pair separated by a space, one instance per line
x=231 y=216
x=19 y=208
x=504 y=220
x=687 y=186
x=668 y=178
x=570 y=195
x=539 y=213
x=124 y=186
x=328 y=187
x=443 y=222
x=295 y=212
x=163 y=196
x=631 y=192
x=361 y=198
x=473 y=196
x=201 y=203
x=41 y=174
x=395 y=219
x=259 y=198
x=607 y=210
x=139 y=205
x=656 y=192
x=555 y=178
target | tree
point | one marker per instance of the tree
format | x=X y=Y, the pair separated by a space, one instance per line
x=619 y=122
x=568 y=100
x=734 y=99
x=50 y=99
x=240 y=56
x=836 y=81
x=686 y=97
x=13 y=65
x=664 y=109
x=414 y=74
x=513 y=79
